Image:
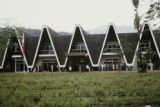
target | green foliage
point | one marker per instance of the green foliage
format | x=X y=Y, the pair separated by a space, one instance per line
x=142 y=66
x=137 y=18
x=142 y=59
x=7 y=34
x=128 y=46
x=152 y=15
x=79 y=89
x=135 y=3
x=137 y=22
x=153 y=11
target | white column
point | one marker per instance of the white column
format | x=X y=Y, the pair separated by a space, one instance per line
x=59 y=69
x=102 y=67
x=37 y=68
x=23 y=66
x=52 y=68
x=15 y=66
x=70 y=68
x=151 y=65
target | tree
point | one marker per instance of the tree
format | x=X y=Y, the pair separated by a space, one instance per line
x=143 y=57
x=135 y=3
x=8 y=22
x=137 y=17
x=6 y=34
x=153 y=14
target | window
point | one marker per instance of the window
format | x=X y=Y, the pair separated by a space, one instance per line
x=112 y=64
x=46 y=49
x=111 y=61
x=20 y=65
x=17 y=51
x=49 y=65
x=144 y=45
x=111 y=47
x=79 y=47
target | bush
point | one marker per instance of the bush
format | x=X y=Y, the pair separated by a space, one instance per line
x=142 y=67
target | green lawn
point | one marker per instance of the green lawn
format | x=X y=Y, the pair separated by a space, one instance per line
x=94 y=89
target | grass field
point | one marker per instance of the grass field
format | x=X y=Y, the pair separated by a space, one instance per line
x=94 y=89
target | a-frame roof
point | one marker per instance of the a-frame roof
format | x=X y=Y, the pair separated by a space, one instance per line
x=146 y=27
x=94 y=44
x=3 y=53
x=60 y=44
x=31 y=38
x=82 y=34
x=45 y=28
x=157 y=40
x=112 y=26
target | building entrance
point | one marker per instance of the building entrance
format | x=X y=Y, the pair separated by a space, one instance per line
x=112 y=64
x=20 y=65
x=78 y=64
x=49 y=66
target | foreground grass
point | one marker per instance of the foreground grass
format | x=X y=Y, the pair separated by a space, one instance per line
x=79 y=89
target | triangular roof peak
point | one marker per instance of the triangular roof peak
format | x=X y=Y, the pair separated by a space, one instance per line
x=44 y=26
x=6 y=50
x=144 y=23
x=118 y=40
x=111 y=24
x=153 y=38
x=38 y=45
x=77 y=25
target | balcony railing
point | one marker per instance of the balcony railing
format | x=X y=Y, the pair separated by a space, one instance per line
x=46 y=52
x=16 y=53
x=144 y=49
x=145 y=45
x=78 y=48
x=111 y=47
x=107 y=50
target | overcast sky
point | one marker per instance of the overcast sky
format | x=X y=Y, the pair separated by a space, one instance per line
x=62 y=15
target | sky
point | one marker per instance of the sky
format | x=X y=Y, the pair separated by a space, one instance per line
x=63 y=15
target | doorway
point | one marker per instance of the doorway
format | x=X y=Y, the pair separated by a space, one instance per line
x=112 y=64
x=50 y=66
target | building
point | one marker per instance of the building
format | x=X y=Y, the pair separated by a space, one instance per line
x=47 y=50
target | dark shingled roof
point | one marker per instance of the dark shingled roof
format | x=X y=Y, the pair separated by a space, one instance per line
x=61 y=43
x=30 y=45
x=31 y=37
x=2 y=52
x=111 y=36
x=157 y=38
x=94 y=43
x=129 y=43
x=147 y=35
